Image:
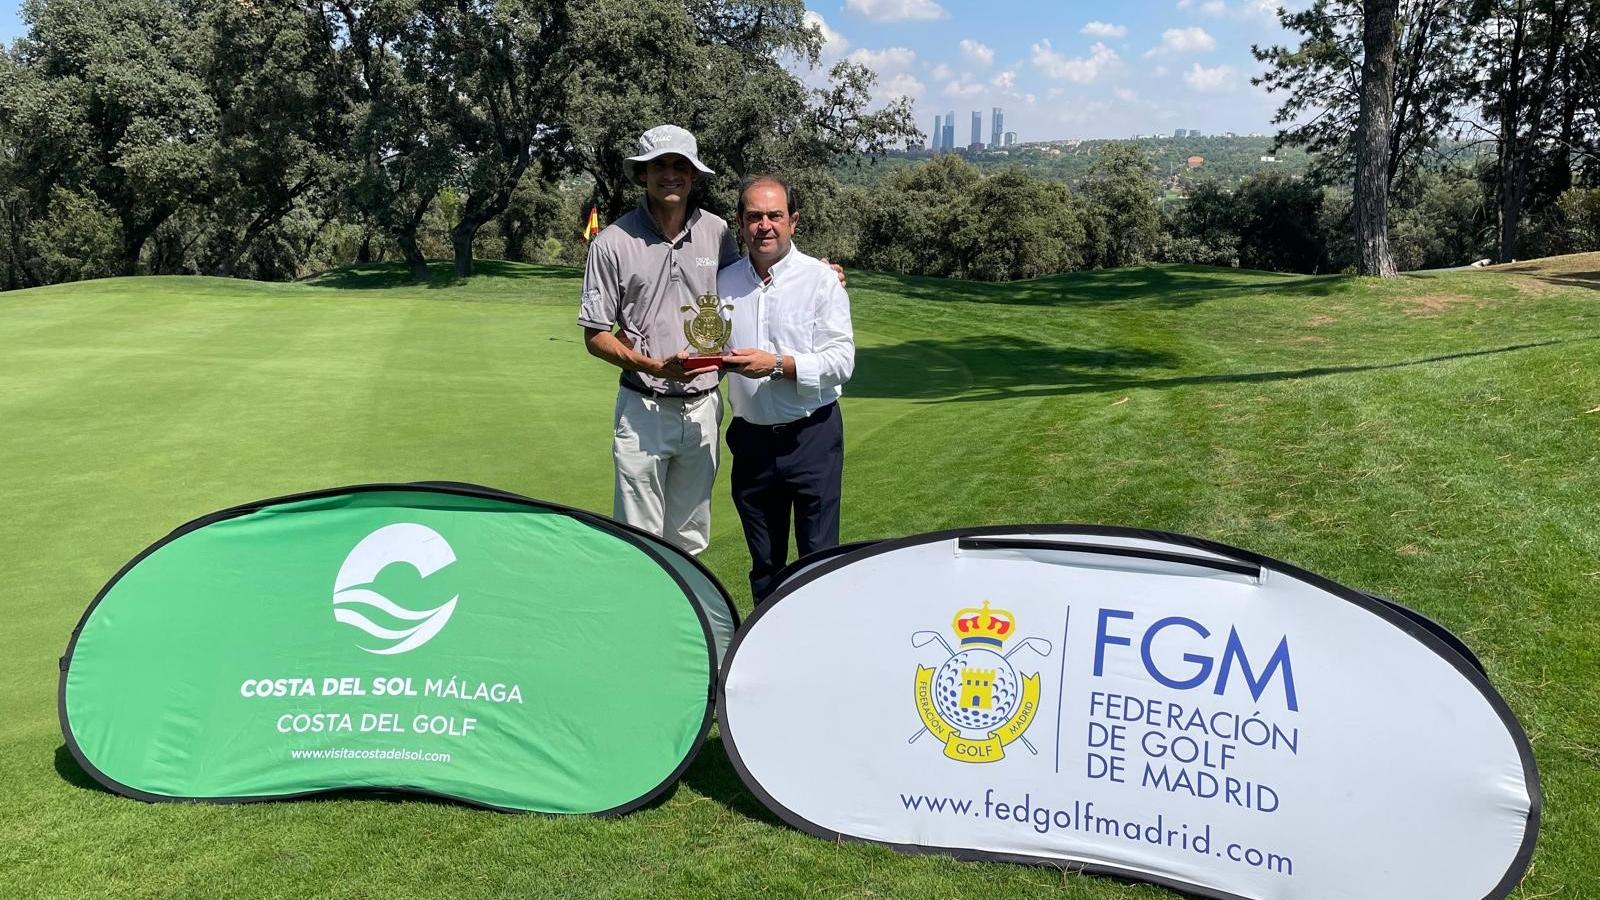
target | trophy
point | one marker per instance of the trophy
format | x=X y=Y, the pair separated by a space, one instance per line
x=707 y=332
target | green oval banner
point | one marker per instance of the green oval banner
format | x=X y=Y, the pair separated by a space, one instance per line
x=441 y=639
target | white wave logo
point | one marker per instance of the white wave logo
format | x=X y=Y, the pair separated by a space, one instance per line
x=403 y=542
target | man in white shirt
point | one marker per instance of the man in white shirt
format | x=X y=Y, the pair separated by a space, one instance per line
x=791 y=325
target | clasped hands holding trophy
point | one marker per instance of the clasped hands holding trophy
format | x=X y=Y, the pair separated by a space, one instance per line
x=707 y=332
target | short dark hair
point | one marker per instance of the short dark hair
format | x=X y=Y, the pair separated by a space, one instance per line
x=753 y=180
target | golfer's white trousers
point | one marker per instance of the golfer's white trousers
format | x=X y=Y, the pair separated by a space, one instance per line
x=665 y=451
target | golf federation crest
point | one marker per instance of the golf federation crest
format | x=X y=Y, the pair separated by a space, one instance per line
x=974 y=700
x=708 y=330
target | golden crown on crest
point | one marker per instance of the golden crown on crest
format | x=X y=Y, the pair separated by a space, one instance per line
x=983 y=626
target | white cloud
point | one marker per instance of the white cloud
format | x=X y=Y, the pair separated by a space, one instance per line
x=1159 y=72
x=959 y=89
x=893 y=66
x=1185 y=4
x=1184 y=40
x=902 y=85
x=1080 y=70
x=977 y=53
x=1214 y=8
x=1005 y=81
x=896 y=10
x=1209 y=81
x=1126 y=95
x=1104 y=29
x=833 y=43
x=941 y=72
x=885 y=61
x=1267 y=9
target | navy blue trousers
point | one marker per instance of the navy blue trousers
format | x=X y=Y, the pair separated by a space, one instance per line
x=793 y=469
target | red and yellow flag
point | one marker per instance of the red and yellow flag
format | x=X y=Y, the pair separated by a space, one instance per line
x=592 y=228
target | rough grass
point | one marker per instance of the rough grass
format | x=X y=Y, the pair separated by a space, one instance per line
x=1444 y=453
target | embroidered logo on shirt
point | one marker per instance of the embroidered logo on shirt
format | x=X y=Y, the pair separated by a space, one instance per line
x=704 y=261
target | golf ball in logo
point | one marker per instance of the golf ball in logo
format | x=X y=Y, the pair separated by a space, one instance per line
x=976 y=691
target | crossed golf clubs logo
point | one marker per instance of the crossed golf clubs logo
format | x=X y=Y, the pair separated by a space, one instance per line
x=974 y=701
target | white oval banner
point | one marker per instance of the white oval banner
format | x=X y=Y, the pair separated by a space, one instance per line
x=1141 y=704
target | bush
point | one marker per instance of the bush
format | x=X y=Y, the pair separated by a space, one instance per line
x=78 y=238
x=1579 y=210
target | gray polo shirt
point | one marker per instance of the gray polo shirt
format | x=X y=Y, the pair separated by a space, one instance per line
x=638 y=279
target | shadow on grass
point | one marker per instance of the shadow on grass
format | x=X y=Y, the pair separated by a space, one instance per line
x=72 y=773
x=712 y=775
x=1590 y=280
x=1001 y=368
x=1158 y=287
x=931 y=369
x=441 y=274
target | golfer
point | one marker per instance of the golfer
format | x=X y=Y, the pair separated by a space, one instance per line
x=791 y=323
x=643 y=269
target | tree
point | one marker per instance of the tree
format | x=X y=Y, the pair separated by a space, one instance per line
x=1278 y=224
x=535 y=211
x=1123 y=219
x=1203 y=228
x=1538 y=70
x=273 y=74
x=1374 y=124
x=115 y=110
x=1321 y=80
x=1019 y=226
x=715 y=67
x=495 y=72
x=912 y=219
x=402 y=151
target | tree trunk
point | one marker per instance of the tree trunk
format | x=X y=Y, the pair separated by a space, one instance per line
x=413 y=255
x=268 y=217
x=364 y=252
x=481 y=206
x=1511 y=192
x=407 y=239
x=1372 y=137
x=461 y=240
x=515 y=237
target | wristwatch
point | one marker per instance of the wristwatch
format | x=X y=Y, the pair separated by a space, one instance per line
x=777 y=371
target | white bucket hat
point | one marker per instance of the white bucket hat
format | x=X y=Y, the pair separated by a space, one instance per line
x=664 y=139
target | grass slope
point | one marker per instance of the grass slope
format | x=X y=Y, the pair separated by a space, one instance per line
x=1435 y=438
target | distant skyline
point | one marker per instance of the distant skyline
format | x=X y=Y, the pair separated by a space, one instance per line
x=1060 y=71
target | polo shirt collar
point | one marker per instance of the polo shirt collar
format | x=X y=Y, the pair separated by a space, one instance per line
x=650 y=220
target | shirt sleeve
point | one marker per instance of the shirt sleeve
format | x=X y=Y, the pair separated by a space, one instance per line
x=730 y=249
x=602 y=289
x=833 y=357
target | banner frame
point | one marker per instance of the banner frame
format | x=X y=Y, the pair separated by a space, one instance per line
x=628 y=533
x=1384 y=609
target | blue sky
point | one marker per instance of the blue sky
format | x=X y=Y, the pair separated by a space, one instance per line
x=1064 y=70
x=1059 y=69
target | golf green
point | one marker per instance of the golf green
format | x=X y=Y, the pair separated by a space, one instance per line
x=1433 y=438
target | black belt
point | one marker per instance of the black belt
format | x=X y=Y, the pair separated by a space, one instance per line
x=662 y=395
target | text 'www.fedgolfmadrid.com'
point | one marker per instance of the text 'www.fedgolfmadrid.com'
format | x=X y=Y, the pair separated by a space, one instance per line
x=1083 y=818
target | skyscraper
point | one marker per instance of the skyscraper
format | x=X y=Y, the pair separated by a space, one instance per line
x=950 y=130
x=999 y=127
x=977 y=128
x=938 y=133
